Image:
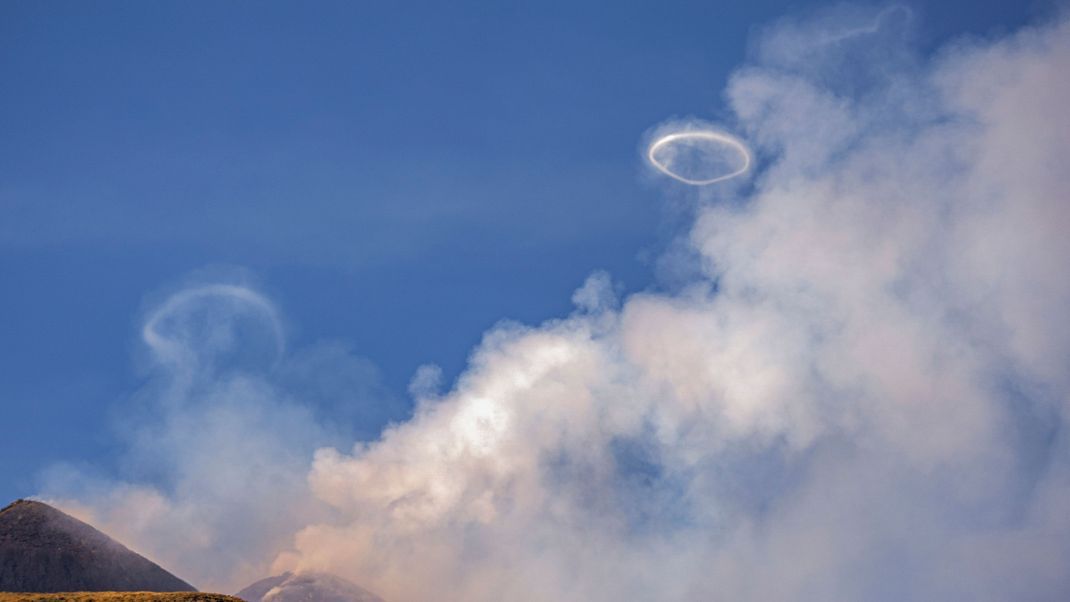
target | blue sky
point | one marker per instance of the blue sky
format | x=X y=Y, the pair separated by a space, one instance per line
x=398 y=176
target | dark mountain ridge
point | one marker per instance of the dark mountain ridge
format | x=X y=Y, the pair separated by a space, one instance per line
x=44 y=550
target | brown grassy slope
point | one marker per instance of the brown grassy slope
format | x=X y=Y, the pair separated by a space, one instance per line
x=118 y=597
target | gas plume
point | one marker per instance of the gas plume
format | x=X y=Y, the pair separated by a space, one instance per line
x=864 y=395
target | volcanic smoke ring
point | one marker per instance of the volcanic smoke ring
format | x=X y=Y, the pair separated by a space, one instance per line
x=710 y=135
x=165 y=347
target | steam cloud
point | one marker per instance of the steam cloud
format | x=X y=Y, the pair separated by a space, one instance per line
x=864 y=397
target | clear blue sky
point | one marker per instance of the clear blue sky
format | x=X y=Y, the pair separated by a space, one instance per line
x=398 y=176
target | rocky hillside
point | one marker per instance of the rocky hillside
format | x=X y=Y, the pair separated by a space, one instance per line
x=44 y=550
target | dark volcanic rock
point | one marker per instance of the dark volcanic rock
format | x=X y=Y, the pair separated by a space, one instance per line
x=45 y=550
x=306 y=587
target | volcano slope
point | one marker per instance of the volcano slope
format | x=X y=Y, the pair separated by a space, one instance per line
x=306 y=587
x=43 y=550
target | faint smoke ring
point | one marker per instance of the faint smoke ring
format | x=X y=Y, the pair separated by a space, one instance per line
x=708 y=148
x=166 y=347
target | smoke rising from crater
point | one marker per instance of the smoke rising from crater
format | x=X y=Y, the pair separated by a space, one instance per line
x=863 y=398
x=864 y=395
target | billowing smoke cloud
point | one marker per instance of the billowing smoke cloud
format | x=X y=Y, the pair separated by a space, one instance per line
x=864 y=396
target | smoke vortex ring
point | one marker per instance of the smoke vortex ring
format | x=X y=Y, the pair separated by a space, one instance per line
x=714 y=136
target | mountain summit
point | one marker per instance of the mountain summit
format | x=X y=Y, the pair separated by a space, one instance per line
x=44 y=550
x=306 y=587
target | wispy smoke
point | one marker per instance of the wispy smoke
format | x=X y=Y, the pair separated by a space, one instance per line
x=865 y=396
x=219 y=440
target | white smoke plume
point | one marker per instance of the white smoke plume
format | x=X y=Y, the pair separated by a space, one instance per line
x=864 y=396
